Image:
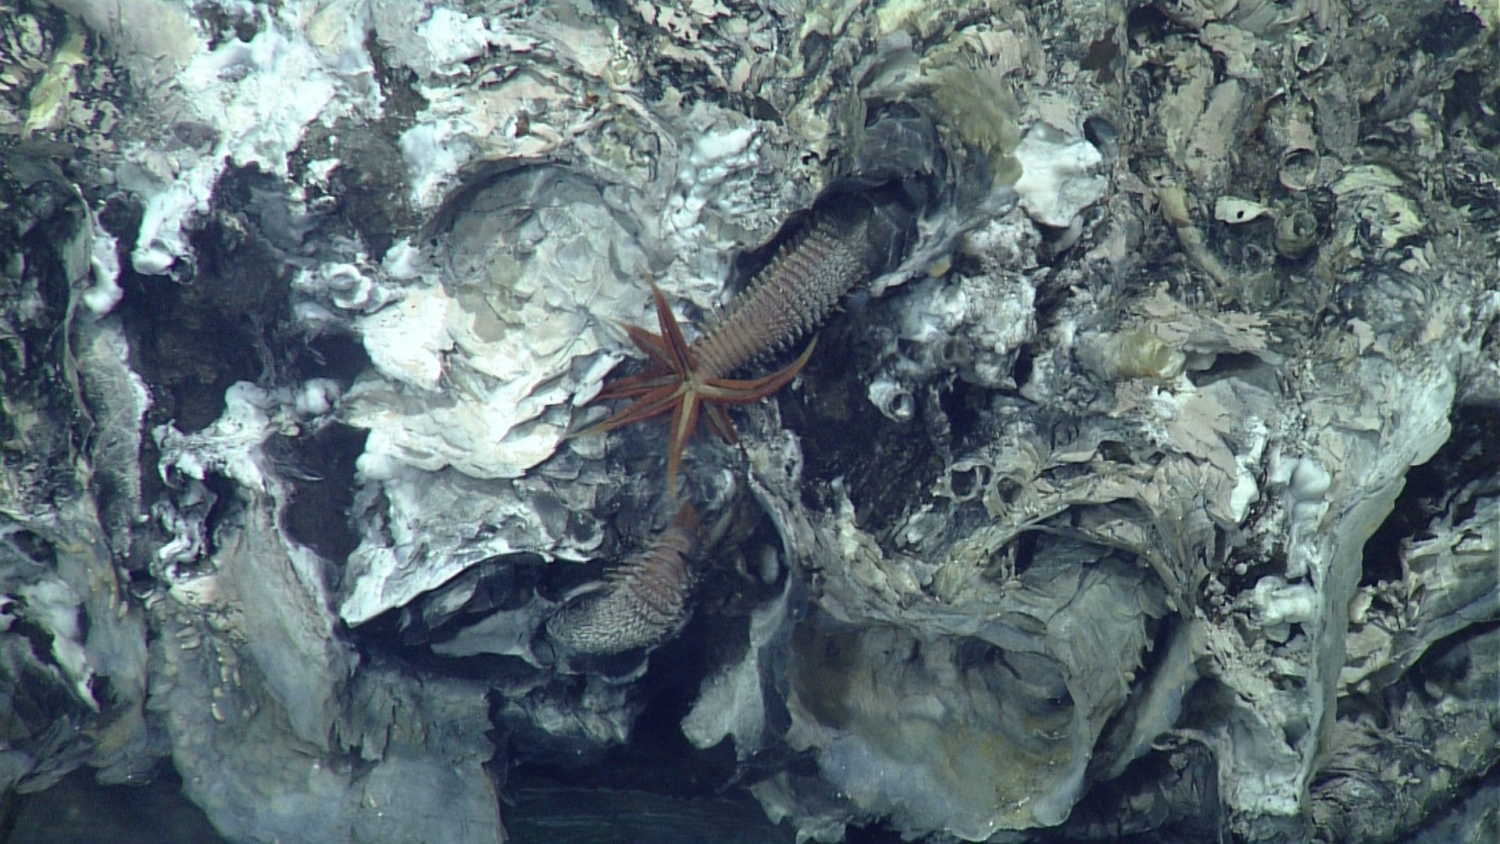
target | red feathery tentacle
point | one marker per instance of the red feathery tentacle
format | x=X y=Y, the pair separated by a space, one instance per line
x=719 y=422
x=736 y=391
x=790 y=297
x=683 y=424
x=671 y=335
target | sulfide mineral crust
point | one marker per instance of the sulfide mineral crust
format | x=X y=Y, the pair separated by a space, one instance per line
x=1146 y=486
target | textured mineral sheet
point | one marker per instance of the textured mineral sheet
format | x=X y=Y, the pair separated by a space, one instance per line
x=948 y=419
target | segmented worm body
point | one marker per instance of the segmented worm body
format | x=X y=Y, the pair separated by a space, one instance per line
x=787 y=299
x=643 y=602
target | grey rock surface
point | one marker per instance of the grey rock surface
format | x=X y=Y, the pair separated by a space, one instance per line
x=1146 y=486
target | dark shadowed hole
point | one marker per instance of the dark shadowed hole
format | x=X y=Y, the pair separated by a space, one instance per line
x=318 y=515
x=1472 y=449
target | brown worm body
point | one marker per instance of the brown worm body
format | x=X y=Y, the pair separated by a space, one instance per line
x=643 y=602
x=787 y=299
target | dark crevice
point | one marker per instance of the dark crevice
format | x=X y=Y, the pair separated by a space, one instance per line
x=1471 y=450
x=658 y=758
x=323 y=489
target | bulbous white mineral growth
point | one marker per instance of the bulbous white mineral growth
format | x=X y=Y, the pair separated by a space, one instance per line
x=1059 y=176
x=980 y=320
x=231 y=445
x=313 y=316
x=317 y=397
x=373 y=467
x=407 y=340
x=161 y=242
x=344 y=284
x=1307 y=484
x=1246 y=490
x=404 y=260
x=1276 y=604
x=433 y=151
x=188 y=542
x=104 y=265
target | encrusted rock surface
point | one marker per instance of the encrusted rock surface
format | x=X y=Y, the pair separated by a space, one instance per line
x=1148 y=486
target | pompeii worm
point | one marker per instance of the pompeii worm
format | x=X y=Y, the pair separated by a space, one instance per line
x=641 y=603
